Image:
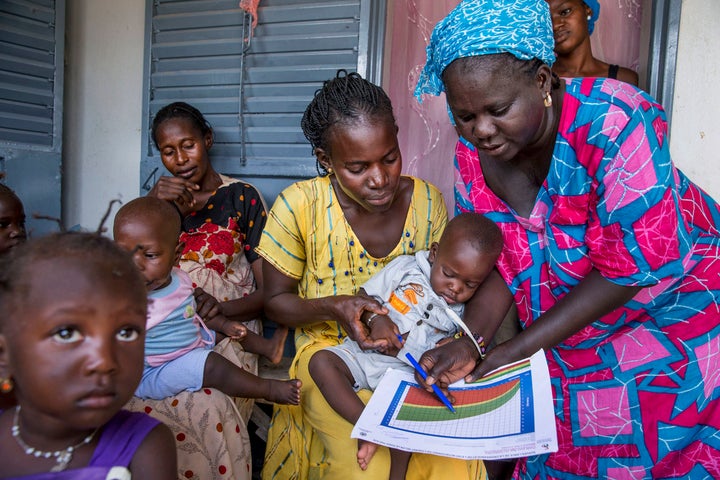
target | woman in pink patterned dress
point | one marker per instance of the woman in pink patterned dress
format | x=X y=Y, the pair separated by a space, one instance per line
x=611 y=255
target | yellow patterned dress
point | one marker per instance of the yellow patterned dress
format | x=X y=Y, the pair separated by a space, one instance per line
x=307 y=238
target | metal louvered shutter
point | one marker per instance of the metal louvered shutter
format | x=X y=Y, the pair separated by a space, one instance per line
x=31 y=94
x=254 y=88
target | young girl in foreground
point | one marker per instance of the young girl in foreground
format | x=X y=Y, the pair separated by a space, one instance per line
x=178 y=348
x=71 y=345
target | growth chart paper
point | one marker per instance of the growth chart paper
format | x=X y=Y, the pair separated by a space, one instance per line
x=506 y=414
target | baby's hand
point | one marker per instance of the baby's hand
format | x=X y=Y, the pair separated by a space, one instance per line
x=387 y=333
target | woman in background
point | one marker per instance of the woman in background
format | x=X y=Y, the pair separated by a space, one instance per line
x=573 y=22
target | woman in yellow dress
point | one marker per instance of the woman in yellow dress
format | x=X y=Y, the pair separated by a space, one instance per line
x=323 y=239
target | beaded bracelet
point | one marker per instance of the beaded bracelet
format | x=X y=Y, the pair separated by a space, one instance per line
x=478 y=339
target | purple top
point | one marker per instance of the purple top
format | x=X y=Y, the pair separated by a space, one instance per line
x=119 y=440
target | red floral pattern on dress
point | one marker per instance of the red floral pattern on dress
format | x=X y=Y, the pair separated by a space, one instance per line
x=193 y=242
x=222 y=243
x=210 y=240
x=209 y=227
x=216 y=265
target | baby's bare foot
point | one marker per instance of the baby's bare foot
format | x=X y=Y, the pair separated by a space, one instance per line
x=284 y=391
x=276 y=345
x=235 y=330
x=366 y=450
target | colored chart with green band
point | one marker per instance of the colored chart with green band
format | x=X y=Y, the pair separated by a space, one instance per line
x=507 y=413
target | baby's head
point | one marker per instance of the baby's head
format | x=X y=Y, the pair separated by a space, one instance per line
x=464 y=257
x=149 y=228
x=73 y=327
x=12 y=220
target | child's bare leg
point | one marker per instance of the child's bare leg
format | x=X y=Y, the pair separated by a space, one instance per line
x=335 y=382
x=398 y=464
x=270 y=348
x=232 y=380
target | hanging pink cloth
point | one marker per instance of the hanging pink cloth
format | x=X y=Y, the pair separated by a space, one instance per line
x=427 y=140
x=616 y=38
x=250 y=6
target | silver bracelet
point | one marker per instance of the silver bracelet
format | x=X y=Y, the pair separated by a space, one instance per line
x=371 y=318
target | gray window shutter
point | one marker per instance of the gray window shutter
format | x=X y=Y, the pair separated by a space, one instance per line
x=662 y=51
x=31 y=93
x=253 y=88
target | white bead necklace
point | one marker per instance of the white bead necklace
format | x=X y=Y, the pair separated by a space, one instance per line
x=62 y=457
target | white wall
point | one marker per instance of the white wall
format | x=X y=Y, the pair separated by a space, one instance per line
x=103 y=102
x=695 y=130
x=103 y=107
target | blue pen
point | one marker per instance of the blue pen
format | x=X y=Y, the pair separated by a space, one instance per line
x=435 y=388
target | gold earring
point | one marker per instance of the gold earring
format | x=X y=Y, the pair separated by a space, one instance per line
x=547 y=100
x=329 y=170
x=6 y=385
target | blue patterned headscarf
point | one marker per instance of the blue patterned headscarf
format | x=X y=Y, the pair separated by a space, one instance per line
x=595 y=7
x=483 y=27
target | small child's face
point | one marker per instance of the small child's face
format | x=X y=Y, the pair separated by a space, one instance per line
x=12 y=222
x=155 y=252
x=75 y=349
x=458 y=269
x=183 y=149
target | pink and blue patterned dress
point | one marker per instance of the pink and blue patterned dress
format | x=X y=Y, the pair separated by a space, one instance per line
x=636 y=392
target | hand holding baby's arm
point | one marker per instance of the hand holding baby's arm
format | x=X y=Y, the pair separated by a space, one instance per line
x=207 y=306
x=386 y=333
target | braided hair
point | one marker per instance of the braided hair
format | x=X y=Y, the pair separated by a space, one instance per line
x=180 y=110
x=343 y=100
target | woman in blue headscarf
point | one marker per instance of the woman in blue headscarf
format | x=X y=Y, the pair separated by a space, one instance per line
x=612 y=256
x=573 y=23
